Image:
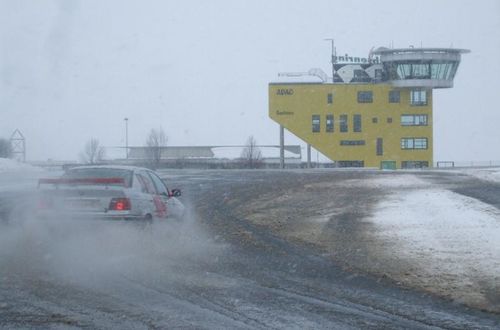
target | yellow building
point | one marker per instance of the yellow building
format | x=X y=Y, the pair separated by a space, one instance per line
x=376 y=113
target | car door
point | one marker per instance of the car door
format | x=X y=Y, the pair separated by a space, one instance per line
x=173 y=206
x=151 y=203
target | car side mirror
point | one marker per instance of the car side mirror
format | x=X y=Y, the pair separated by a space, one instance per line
x=175 y=193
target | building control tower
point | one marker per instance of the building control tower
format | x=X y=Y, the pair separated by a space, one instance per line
x=373 y=112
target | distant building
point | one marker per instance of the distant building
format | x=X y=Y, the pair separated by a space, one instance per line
x=213 y=156
x=374 y=112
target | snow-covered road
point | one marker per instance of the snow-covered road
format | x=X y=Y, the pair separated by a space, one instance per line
x=219 y=270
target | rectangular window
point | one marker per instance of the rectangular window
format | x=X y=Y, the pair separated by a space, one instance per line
x=316 y=123
x=414 y=143
x=343 y=123
x=329 y=98
x=418 y=97
x=356 y=123
x=365 y=97
x=374 y=120
x=394 y=96
x=413 y=120
x=352 y=142
x=329 y=123
x=414 y=164
x=380 y=147
x=350 y=163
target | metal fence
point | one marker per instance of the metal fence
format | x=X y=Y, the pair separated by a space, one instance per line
x=472 y=163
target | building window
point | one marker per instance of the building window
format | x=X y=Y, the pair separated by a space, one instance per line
x=414 y=143
x=374 y=120
x=352 y=142
x=389 y=120
x=356 y=123
x=418 y=97
x=316 y=123
x=329 y=98
x=350 y=163
x=414 y=164
x=365 y=97
x=394 y=96
x=380 y=147
x=413 y=120
x=329 y=123
x=421 y=71
x=343 y=123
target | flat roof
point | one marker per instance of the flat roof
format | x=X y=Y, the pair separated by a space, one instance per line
x=384 y=50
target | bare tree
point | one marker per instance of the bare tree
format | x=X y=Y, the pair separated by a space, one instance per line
x=93 y=153
x=251 y=155
x=5 y=148
x=155 y=142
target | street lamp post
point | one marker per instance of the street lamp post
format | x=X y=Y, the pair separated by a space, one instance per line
x=126 y=137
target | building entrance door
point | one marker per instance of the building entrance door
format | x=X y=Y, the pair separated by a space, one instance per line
x=388 y=165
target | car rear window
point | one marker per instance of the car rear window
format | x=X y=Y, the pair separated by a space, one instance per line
x=82 y=173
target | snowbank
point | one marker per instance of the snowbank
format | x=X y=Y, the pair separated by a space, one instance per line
x=13 y=165
x=16 y=176
x=487 y=174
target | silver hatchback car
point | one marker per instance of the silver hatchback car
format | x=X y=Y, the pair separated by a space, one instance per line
x=109 y=192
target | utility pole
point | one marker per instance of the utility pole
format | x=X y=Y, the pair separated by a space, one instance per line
x=309 y=156
x=126 y=137
x=282 y=147
x=332 y=58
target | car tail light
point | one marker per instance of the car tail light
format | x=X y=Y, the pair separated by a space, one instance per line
x=119 y=204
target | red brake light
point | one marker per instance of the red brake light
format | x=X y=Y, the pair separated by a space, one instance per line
x=119 y=204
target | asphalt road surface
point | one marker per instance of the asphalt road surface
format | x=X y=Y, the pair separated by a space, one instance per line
x=214 y=270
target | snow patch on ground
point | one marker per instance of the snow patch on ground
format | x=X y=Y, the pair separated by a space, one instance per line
x=393 y=180
x=452 y=241
x=397 y=181
x=447 y=229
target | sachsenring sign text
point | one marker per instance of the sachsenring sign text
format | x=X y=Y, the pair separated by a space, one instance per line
x=345 y=59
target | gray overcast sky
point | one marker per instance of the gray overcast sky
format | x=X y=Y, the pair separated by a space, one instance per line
x=71 y=70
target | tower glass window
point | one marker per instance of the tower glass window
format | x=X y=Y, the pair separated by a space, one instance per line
x=329 y=98
x=440 y=69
